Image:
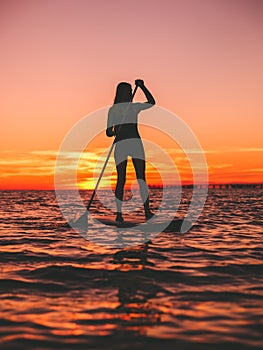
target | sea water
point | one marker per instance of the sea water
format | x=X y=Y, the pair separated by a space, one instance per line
x=198 y=290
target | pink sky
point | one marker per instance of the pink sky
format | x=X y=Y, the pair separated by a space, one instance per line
x=61 y=59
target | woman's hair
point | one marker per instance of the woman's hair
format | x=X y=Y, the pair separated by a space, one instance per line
x=123 y=93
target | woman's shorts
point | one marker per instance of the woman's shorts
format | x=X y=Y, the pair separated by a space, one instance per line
x=128 y=148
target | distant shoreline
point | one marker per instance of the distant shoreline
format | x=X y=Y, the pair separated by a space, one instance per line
x=214 y=186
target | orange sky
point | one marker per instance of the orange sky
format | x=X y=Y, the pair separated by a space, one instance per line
x=62 y=59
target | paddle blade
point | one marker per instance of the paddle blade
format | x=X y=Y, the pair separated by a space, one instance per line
x=82 y=222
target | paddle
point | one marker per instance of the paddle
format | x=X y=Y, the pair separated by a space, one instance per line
x=82 y=221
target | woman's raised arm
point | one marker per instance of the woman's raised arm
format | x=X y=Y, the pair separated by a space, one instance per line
x=148 y=95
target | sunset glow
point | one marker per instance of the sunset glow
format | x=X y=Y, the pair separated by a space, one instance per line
x=61 y=60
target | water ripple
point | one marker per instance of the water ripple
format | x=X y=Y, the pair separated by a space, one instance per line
x=201 y=290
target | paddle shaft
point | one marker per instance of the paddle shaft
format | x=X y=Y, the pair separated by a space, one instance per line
x=106 y=162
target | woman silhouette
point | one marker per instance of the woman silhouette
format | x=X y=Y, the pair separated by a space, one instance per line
x=123 y=124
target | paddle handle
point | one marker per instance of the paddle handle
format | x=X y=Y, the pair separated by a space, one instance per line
x=106 y=162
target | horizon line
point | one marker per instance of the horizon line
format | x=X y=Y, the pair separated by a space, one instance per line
x=190 y=185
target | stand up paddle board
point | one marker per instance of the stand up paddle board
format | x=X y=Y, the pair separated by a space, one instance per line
x=151 y=226
x=110 y=221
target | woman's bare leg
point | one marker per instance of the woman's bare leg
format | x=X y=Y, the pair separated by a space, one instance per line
x=121 y=178
x=139 y=165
